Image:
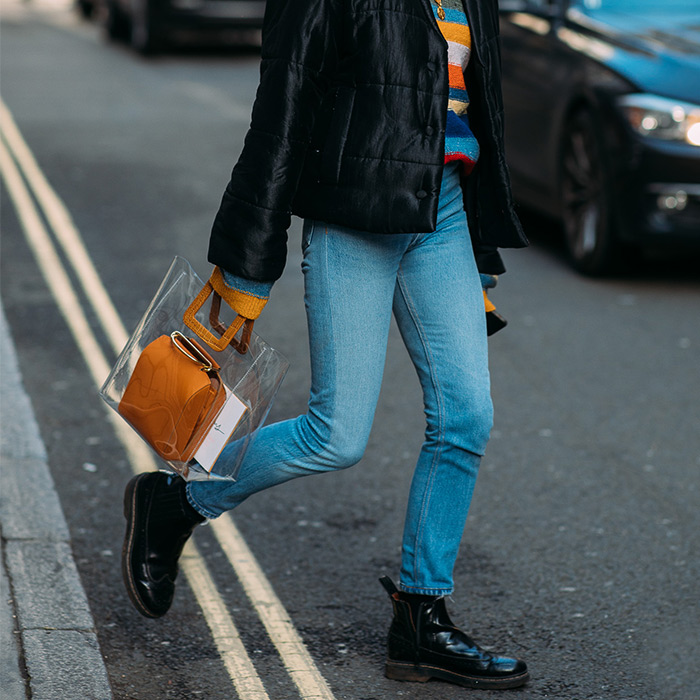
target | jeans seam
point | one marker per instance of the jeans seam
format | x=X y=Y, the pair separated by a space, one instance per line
x=202 y=511
x=330 y=318
x=441 y=415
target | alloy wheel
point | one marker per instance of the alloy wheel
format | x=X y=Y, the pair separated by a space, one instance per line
x=585 y=199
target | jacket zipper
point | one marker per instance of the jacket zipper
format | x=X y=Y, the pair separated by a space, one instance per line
x=429 y=10
x=446 y=82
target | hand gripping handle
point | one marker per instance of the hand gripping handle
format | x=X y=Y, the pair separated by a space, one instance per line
x=247 y=307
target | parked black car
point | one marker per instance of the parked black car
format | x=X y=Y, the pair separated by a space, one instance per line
x=149 y=24
x=602 y=103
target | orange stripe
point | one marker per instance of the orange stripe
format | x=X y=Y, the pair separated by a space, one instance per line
x=456 y=32
x=456 y=77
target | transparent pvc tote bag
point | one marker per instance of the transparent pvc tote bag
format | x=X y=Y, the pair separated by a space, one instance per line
x=197 y=391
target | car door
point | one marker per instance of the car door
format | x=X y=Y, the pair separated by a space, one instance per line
x=536 y=76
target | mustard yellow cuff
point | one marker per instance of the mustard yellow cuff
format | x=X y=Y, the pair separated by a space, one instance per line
x=488 y=303
x=244 y=304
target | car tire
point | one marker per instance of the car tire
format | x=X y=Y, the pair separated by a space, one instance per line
x=146 y=27
x=586 y=202
x=115 y=22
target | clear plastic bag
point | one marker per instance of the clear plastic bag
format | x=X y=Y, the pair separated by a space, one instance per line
x=168 y=381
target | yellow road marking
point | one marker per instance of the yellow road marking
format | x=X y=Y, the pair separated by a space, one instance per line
x=286 y=639
x=223 y=630
x=236 y=660
x=296 y=658
x=66 y=233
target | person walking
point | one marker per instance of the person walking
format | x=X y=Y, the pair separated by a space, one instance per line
x=380 y=123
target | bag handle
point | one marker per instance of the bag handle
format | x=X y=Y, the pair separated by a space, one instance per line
x=240 y=345
x=248 y=308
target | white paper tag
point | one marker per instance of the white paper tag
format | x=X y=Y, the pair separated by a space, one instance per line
x=217 y=437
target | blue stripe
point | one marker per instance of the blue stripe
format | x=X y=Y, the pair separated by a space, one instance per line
x=459 y=94
x=453 y=16
x=459 y=137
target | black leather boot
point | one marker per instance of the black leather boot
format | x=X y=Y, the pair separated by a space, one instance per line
x=159 y=521
x=423 y=644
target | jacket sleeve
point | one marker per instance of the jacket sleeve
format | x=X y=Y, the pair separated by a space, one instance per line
x=490 y=201
x=488 y=260
x=299 y=54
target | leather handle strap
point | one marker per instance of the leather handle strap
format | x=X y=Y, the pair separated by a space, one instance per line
x=240 y=344
x=248 y=309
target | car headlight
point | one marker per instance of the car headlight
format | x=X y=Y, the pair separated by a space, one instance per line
x=661 y=118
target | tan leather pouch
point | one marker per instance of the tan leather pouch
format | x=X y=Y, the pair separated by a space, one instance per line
x=173 y=396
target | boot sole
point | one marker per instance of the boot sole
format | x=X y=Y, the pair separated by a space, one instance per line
x=422 y=673
x=127 y=548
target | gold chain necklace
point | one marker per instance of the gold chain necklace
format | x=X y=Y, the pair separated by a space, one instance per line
x=440 y=11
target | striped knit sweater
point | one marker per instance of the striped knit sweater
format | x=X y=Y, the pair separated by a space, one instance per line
x=460 y=143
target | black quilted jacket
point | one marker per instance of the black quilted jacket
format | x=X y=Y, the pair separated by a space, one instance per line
x=348 y=127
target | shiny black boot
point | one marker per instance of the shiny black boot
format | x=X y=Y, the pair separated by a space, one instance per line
x=423 y=644
x=159 y=521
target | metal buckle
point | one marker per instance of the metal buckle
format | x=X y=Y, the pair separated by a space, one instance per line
x=191 y=350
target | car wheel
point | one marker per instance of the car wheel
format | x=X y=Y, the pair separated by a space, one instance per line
x=587 y=206
x=146 y=27
x=115 y=22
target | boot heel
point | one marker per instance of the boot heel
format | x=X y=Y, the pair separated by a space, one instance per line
x=405 y=672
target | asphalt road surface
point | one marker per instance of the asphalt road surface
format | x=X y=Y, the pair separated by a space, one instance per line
x=581 y=549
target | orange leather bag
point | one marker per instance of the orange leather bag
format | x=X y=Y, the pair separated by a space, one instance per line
x=173 y=396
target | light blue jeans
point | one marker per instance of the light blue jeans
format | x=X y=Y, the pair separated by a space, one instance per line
x=353 y=282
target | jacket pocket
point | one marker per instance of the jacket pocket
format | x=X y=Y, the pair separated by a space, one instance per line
x=337 y=134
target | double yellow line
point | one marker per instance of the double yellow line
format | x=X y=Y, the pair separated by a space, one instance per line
x=23 y=178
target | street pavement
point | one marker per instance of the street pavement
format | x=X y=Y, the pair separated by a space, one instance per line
x=48 y=641
x=581 y=549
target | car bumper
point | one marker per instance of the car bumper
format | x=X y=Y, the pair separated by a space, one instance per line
x=672 y=210
x=664 y=197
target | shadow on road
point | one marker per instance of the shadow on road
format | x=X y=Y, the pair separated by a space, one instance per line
x=682 y=266
x=215 y=43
